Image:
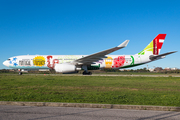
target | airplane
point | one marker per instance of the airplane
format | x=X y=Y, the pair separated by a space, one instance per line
x=99 y=60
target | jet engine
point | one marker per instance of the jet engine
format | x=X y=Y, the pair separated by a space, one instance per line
x=66 y=68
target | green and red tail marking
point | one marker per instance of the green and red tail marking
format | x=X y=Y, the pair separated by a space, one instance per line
x=154 y=46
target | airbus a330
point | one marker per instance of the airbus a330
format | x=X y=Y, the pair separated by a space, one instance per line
x=99 y=60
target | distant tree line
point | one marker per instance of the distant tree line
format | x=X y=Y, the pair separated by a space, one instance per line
x=4 y=71
x=157 y=70
x=124 y=70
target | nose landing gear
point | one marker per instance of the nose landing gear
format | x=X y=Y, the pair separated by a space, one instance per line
x=20 y=73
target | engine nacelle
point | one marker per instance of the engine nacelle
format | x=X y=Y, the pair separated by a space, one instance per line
x=65 y=68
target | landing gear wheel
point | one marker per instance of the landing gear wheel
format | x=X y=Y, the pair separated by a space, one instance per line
x=20 y=73
x=87 y=73
x=84 y=73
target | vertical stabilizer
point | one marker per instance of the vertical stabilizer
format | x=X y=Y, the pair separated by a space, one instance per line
x=154 y=46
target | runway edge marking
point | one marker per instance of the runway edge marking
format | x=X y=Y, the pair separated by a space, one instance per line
x=89 y=105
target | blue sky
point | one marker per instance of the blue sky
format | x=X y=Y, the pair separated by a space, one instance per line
x=83 y=27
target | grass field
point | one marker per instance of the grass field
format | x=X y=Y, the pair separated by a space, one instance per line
x=134 y=73
x=164 y=91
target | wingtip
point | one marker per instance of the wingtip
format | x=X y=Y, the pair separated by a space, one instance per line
x=174 y=51
x=124 y=44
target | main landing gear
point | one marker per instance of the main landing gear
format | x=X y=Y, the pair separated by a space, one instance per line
x=87 y=73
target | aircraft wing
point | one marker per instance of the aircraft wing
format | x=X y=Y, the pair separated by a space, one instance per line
x=160 y=56
x=98 y=56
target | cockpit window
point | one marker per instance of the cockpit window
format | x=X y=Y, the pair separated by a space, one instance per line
x=8 y=59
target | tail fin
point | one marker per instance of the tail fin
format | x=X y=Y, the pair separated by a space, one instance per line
x=154 y=46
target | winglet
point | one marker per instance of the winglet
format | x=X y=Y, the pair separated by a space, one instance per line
x=124 y=44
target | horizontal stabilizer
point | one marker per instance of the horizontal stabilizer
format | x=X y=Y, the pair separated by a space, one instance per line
x=152 y=57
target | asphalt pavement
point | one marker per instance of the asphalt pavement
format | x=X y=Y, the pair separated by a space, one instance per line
x=10 y=112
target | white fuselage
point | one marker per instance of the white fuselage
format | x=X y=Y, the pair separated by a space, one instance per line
x=49 y=61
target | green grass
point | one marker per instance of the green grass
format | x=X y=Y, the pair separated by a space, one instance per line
x=164 y=91
x=137 y=73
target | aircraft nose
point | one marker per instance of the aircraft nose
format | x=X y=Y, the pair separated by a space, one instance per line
x=5 y=63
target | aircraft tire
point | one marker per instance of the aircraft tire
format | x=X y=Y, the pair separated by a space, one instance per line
x=84 y=73
x=20 y=73
x=87 y=73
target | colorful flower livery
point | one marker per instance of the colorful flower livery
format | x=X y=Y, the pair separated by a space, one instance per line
x=100 y=60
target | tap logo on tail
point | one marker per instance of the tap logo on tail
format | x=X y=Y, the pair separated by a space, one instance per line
x=154 y=46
